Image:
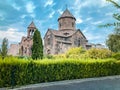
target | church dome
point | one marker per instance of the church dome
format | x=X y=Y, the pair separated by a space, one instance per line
x=66 y=14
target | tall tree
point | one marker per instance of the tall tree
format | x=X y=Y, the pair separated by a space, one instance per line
x=4 y=48
x=113 y=41
x=37 y=48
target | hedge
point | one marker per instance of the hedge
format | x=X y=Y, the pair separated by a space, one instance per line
x=22 y=72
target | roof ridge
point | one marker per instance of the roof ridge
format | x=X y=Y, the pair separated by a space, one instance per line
x=32 y=24
x=66 y=13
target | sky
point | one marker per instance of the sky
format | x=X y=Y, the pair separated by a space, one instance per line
x=16 y=15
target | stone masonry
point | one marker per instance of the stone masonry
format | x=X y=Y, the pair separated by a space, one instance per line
x=67 y=36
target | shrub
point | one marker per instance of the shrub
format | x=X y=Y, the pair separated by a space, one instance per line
x=116 y=56
x=75 y=52
x=49 y=56
x=60 y=56
x=97 y=53
x=22 y=72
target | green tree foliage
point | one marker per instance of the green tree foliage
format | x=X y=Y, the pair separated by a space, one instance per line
x=29 y=72
x=116 y=56
x=4 y=48
x=97 y=53
x=37 y=48
x=75 y=52
x=113 y=41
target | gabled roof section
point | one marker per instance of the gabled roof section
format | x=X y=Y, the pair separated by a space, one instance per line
x=81 y=33
x=63 y=33
x=66 y=13
x=32 y=25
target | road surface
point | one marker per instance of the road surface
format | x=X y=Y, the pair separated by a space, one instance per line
x=104 y=83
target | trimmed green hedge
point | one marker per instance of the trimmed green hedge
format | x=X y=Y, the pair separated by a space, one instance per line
x=22 y=72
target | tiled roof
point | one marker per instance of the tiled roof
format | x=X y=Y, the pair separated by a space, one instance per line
x=63 y=33
x=66 y=13
x=32 y=24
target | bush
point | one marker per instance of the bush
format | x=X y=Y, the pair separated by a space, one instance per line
x=96 y=53
x=75 y=52
x=60 y=56
x=116 y=56
x=49 y=56
x=23 y=72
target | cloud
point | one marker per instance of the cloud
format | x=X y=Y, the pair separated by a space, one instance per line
x=16 y=6
x=97 y=23
x=79 y=20
x=88 y=19
x=91 y=36
x=49 y=3
x=30 y=7
x=109 y=14
x=51 y=14
x=1 y=17
x=23 y=16
x=32 y=15
x=12 y=34
x=60 y=11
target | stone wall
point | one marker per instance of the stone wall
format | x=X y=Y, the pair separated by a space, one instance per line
x=14 y=50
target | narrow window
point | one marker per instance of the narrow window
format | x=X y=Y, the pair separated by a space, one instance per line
x=72 y=24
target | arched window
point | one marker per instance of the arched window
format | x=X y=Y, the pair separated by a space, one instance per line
x=79 y=42
x=72 y=24
x=32 y=32
x=48 y=51
x=25 y=49
x=22 y=49
x=59 y=24
x=48 y=40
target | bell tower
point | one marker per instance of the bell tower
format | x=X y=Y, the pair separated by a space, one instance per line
x=31 y=29
x=67 y=21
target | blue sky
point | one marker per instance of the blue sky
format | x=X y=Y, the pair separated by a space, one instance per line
x=16 y=15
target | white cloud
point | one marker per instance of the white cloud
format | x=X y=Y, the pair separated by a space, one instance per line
x=79 y=4
x=12 y=34
x=32 y=15
x=49 y=3
x=91 y=36
x=23 y=16
x=86 y=30
x=16 y=6
x=60 y=11
x=30 y=7
x=51 y=14
x=109 y=14
x=79 y=20
x=88 y=19
x=97 y=22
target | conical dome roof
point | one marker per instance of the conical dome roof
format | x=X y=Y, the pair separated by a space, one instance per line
x=66 y=13
x=32 y=25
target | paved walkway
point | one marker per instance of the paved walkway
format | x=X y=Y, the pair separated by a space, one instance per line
x=104 y=83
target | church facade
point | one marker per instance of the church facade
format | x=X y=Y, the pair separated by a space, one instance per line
x=25 y=46
x=55 y=41
x=67 y=36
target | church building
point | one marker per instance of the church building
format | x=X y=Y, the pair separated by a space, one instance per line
x=67 y=36
x=55 y=41
x=24 y=47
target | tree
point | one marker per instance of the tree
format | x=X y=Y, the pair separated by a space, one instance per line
x=4 y=48
x=37 y=48
x=113 y=41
